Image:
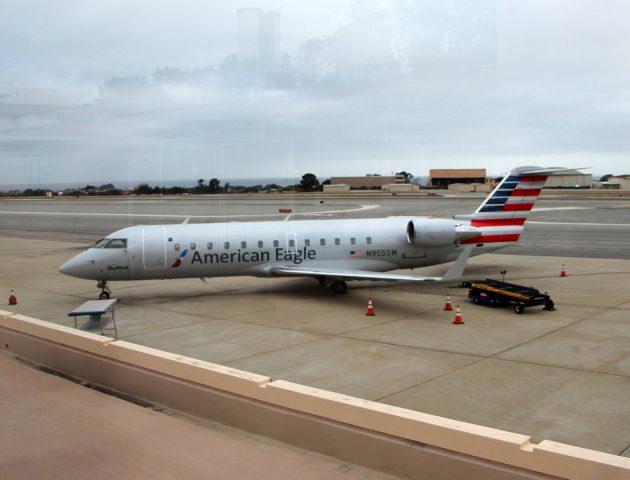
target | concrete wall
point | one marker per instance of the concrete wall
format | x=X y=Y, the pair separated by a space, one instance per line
x=392 y=439
x=358 y=182
x=336 y=188
x=401 y=188
x=471 y=187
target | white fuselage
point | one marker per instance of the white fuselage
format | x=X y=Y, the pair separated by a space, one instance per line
x=252 y=248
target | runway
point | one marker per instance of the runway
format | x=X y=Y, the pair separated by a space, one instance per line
x=587 y=228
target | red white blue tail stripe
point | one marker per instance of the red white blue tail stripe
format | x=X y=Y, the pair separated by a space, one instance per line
x=501 y=217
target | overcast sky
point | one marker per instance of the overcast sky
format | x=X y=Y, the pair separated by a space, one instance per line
x=355 y=88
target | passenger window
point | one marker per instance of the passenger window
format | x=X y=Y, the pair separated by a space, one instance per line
x=209 y=245
x=276 y=243
x=243 y=244
x=193 y=246
x=291 y=243
x=337 y=241
x=307 y=242
x=176 y=247
x=117 y=243
x=226 y=245
x=322 y=241
x=260 y=244
x=368 y=240
x=353 y=241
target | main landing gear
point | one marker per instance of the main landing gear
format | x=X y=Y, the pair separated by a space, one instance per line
x=105 y=291
x=339 y=287
x=335 y=286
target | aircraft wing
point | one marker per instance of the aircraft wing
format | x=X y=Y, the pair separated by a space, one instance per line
x=454 y=272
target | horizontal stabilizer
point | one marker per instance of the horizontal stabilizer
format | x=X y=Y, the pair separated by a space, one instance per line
x=545 y=171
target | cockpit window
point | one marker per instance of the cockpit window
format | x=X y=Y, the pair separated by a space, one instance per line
x=101 y=243
x=117 y=243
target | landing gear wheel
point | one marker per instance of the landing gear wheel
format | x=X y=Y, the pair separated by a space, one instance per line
x=519 y=308
x=339 y=287
x=105 y=291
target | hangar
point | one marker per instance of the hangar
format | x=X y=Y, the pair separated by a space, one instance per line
x=569 y=179
x=442 y=178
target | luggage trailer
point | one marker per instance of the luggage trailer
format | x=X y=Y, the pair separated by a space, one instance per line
x=494 y=292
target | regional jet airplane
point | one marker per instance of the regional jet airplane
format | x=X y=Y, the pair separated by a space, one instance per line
x=331 y=251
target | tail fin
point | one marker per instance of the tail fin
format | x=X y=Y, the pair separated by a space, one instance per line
x=502 y=215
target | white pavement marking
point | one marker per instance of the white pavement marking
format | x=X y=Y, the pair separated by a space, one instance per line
x=585 y=224
x=551 y=209
x=184 y=215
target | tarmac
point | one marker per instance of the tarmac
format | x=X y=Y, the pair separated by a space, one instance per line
x=537 y=373
x=561 y=375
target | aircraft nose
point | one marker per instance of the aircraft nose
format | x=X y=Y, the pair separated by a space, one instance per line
x=75 y=266
x=69 y=266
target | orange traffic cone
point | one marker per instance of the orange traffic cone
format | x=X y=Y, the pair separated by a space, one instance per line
x=563 y=272
x=370 y=310
x=447 y=306
x=458 y=316
x=12 y=298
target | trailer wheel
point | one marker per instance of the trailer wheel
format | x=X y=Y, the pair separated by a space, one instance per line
x=519 y=308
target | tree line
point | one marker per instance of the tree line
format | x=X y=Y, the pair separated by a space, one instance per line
x=309 y=183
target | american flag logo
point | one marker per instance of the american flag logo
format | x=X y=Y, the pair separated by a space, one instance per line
x=356 y=253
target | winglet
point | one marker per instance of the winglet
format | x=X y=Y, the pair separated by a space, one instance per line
x=457 y=269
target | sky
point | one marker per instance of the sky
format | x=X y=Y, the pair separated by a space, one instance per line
x=156 y=91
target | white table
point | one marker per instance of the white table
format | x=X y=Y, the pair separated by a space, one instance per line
x=97 y=307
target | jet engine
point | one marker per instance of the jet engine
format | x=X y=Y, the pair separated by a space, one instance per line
x=436 y=232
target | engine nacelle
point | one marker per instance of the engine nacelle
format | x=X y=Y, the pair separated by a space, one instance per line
x=431 y=232
x=436 y=232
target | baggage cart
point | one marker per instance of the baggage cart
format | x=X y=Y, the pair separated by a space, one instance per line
x=495 y=292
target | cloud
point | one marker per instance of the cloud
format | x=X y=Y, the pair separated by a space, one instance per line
x=371 y=87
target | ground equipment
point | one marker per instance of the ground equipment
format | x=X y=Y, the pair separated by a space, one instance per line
x=495 y=292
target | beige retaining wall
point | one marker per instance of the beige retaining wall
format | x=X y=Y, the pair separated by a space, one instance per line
x=392 y=439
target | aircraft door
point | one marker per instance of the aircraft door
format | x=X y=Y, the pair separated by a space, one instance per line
x=291 y=245
x=154 y=247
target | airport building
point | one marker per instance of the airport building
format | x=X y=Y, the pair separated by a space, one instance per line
x=368 y=181
x=442 y=178
x=475 y=179
x=620 y=182
x=569 y=179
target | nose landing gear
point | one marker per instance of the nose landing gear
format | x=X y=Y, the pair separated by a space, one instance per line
x=105 y=291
